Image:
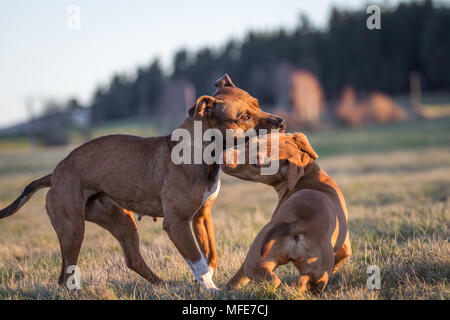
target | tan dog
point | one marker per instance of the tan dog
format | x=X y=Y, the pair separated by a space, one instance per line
x=100 y=178
x=309 y=225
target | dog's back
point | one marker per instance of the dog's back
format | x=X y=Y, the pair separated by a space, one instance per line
x=306 y=213
x=309 y=225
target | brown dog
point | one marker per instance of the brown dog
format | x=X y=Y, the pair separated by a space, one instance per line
x=309 y=225
x=100 y=178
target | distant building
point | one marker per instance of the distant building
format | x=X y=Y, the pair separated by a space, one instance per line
x=178 y=96
x=298 y=96
x=51 y=128
x=306 y=97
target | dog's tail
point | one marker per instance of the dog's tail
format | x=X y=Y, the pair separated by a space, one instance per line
x=27 y=193
x=280 y=230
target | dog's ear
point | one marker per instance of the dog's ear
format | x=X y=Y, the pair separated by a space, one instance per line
x=303 y=144
x=295 y=172
x=191 y=111
x=203 y=107
x=224 y=81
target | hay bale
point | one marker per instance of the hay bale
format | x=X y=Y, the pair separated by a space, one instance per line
x=384 y=110
x=307 y=98
x=349 y=110
x=377 y=108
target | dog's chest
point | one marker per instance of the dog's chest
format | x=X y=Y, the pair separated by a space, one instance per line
x=212 y=191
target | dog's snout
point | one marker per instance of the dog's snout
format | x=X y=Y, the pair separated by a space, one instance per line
x=279 y=122
x=283 y=125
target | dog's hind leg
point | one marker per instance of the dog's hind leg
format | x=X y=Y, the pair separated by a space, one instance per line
x=303 y=283
x=315 y=281
x=342 y=254
x=66 y=215
x=315 y=271
x=102 y=211
x=238 y=281
x=263 y=273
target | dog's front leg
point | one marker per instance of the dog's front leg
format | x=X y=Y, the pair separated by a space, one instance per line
x=179 y=230
x=204 y=233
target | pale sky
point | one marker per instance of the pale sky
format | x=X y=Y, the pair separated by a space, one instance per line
x=40 y=57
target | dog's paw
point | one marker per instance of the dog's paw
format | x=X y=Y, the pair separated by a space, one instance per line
x=211 y=270
x=207 y=283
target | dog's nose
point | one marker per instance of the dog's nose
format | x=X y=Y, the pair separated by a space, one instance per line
x=279 y=123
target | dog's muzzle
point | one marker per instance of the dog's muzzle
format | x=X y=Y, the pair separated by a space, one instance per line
x=274 y=122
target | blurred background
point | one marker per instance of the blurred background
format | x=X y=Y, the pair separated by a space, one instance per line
x=375 y=104
x=71 y=72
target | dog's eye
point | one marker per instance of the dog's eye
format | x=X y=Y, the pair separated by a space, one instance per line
x=246 y=117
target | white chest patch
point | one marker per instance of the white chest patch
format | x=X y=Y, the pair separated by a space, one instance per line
x=211 y=194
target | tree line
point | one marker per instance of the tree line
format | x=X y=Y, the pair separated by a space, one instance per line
x=414 y=37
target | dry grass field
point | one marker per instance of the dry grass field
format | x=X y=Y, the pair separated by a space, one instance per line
x=396 y=180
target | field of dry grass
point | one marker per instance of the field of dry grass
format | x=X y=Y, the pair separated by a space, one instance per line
x=396 y=180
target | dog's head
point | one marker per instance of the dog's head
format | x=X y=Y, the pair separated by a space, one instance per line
x=294 y=153
x=233 y=108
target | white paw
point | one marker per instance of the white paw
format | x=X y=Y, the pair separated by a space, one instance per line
x=203 y=274
x=207 y=283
